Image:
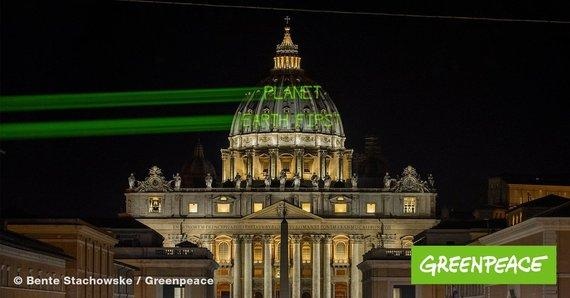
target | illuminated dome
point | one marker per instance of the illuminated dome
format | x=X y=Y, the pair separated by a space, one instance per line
x=287 y=102
x=287 y=126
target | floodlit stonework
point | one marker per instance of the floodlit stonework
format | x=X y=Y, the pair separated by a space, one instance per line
x=286 y=150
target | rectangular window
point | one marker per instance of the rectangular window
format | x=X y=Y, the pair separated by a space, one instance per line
x=155 y=205
x=178 y=292
x=306 y=206
x=193 y=208
x=307 y=166
x=286 y=165
x=371 y=208
x=409 y=205
x=223 y=208
x=257 y=206
x=340 y=208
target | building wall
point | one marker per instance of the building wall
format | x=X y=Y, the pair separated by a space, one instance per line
x=522 y=193
x=160 y=267
x=18 y=262
x=379 y=277
x=312 y=218
x=536 y=231
x=91 y=249
x=177 y=204
x=512 y=194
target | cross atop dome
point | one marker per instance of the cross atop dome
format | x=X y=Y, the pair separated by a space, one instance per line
x=287 y=54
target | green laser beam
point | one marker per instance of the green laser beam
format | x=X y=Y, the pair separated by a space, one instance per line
x=18 y=103
x=110 y=127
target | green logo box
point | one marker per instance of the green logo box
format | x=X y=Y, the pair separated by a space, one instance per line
x=484 y=265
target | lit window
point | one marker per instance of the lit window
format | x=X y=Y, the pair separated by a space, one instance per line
x=306 y=253
x=340 y=252
x=258 y=253
x=193 y=208
x=306 y=206
x=286 y=163
x=223 y=208
x=277 y=251
x=371 y=208
x=307 y=166
x=257 y=206
x=409 y=205
x=178 y=292
x=223 y=199
x=154 y=205
x=340 y=208
x=223 y=252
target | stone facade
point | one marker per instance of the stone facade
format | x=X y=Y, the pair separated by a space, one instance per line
x=23 y=257
x=286 y=151
x=90 y=248
x=327 y=241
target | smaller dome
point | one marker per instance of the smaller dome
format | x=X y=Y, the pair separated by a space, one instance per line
x=194 y=172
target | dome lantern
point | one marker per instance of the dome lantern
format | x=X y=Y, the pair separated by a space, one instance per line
x=287 y=54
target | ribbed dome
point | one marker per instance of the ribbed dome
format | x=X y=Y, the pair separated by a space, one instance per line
x=287 y=101
x=194 y=172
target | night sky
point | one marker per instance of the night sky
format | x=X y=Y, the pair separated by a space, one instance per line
x=463 y=100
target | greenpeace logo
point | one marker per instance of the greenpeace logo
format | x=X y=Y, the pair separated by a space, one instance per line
x=484 y=265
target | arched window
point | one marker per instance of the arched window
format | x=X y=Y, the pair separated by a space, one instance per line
x=224 y=252
x=306 y=253
x=341 y=252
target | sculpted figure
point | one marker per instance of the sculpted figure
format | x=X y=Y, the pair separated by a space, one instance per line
x=132 y=181
x=296 y=181
x=237 y=180
x=208 y=180
x=267 y=180
x=387 y=180
x=328 y=181
x=177 y=181
x=315 y=180
x=248 y=181
x=354 y=180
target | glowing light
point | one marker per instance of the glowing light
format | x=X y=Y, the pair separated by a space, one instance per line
x=109 y=127
x=121 y=99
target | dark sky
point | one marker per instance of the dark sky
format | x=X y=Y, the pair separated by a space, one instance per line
x=463 y=100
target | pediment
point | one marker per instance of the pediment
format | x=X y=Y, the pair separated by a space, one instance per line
x=273 y=212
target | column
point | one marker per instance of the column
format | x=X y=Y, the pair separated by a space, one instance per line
x=247 y=266
x=267 y=266
x=225 y=166
x=316 y=262
x=296 y=285
x=327 y=290
x=273 y=163
x=323 y=163
x=299 y=161
x=355 y=259
x=232 y=165
x=249 y=159
x=349 y=162
x=236 y=290
x=340 y=166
